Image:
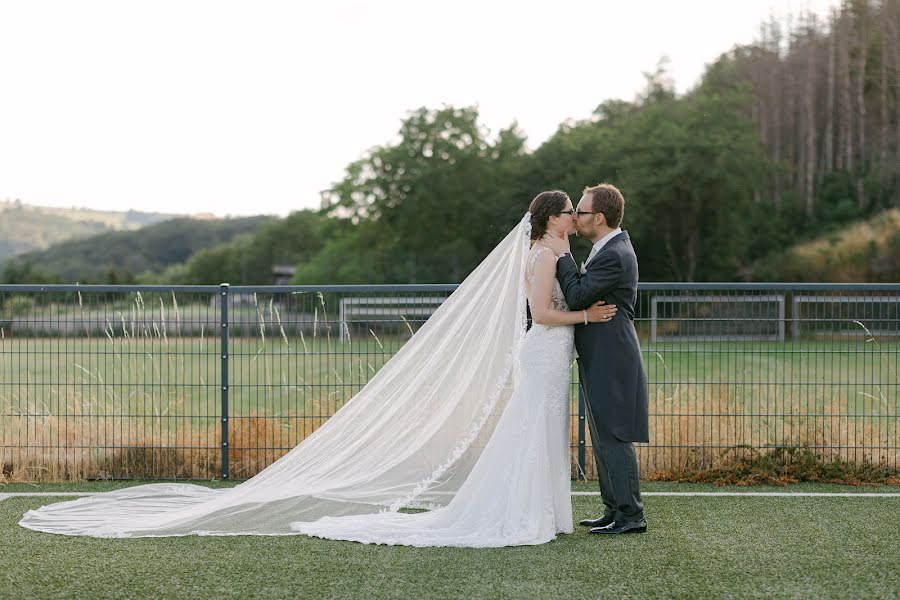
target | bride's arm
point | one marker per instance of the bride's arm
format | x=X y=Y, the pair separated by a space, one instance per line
x=542 y=293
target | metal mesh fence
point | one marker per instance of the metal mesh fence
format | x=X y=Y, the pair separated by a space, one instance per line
x=109 y=382
x=191 y=382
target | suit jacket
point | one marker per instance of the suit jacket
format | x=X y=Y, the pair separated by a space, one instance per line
x=609 y=354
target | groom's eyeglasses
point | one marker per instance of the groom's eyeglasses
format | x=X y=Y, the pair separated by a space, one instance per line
x=578 y=213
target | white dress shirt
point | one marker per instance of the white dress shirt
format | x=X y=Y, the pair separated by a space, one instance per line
x=602 y=242
x=599 y=246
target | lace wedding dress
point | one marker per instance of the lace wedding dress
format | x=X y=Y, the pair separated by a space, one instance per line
x=518 y=493
x=469 y=419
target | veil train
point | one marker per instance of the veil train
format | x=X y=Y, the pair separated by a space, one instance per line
x=409 y=438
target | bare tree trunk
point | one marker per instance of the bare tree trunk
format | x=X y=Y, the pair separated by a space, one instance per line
x=846 y=105
x=760 y=116
x=810 y=126
x=776 y=102
x=692 y=251
x=883 y=139
x=672 y=256
x=828 y=150
x=889 y=150
x=790 y=128
x=893 y=16
x=861 y=101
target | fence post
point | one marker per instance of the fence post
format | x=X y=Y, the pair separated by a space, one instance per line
x=223 y=315
x=581 y=431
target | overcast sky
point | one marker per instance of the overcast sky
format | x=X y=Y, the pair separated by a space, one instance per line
x=254 y=107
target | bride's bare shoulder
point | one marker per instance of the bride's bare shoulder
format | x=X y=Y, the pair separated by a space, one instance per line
x=537 y=249
x=541 y=259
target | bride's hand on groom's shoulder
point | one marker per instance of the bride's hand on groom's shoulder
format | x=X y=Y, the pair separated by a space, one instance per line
x=559 y=245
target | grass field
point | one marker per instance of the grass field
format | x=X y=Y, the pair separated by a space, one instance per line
x=141 y=405
x=281 y=375
x=696 y=547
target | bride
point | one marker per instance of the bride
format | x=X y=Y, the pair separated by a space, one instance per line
x=468 y=420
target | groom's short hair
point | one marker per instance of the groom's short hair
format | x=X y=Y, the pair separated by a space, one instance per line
x=607 y=199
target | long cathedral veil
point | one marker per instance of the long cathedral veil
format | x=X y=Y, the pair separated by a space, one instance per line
x=409 y=438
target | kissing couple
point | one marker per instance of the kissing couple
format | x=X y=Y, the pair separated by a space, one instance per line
x=469 y=420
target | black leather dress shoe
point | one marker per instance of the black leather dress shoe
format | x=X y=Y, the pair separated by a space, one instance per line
x=615 y=528
x=601 y=522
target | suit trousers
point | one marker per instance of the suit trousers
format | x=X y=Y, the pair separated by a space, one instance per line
x=617 y=470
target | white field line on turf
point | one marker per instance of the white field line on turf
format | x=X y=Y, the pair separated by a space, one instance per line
x=4 y=496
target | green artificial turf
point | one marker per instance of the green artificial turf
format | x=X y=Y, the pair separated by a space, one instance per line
x=696 y=547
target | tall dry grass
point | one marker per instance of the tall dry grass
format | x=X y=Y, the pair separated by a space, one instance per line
x=91 y=447
x=862 y=252
x=699 y=428
x=695 y=427
x=704 y=428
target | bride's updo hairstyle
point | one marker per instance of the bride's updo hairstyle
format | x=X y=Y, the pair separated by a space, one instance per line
x=544 y=206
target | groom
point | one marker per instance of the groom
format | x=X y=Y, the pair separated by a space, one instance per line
x=609 y=355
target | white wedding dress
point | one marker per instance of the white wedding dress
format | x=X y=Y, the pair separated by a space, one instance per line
x=518 y=493
x=469 y=419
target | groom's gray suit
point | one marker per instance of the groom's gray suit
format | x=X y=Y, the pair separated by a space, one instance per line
x=611 y=371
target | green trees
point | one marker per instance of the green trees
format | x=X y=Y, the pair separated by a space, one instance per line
x=425 y=209
x=689 y=168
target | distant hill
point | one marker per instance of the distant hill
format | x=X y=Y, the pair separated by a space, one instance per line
x=24 y=227
x=119 y=256
x=864 y=251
